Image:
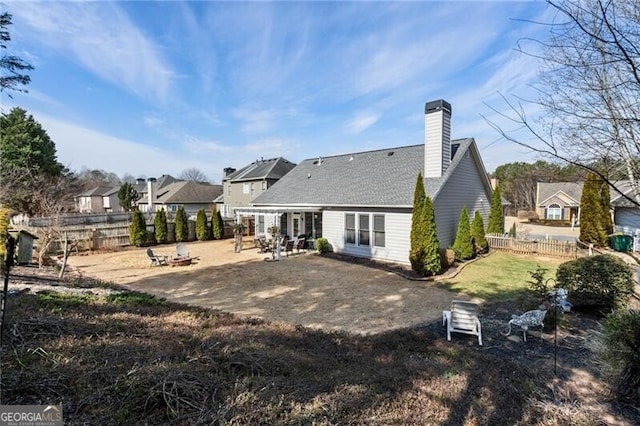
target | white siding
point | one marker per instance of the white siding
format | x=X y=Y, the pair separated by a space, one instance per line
x=397 y=230
x=437 y=151
x=463 y=188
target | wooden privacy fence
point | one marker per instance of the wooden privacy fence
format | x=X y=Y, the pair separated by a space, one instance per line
x=534 y=247
x=100 y=236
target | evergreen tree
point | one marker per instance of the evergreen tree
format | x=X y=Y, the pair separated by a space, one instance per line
x=202 y=228
x=138 y=229
x=418 y=227
x=496 y=218
x=217 y=226
x=13 y=68
x=512 y=230
x=592 y=228
x=27 y=157
x=424 y=252
x=127 y=196
x=477 y=233
x=182 y=225
x=431 y=262
x=160 y=225
x=605 y=206
x=463 y=246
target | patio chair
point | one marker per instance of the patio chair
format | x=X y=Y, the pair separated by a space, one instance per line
x=264 y=245
x=181 y=250
x=288 y=247
x=157 y=260
x=462 y=318
x=301 y=244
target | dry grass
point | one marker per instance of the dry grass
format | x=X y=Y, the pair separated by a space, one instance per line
x=134 y=359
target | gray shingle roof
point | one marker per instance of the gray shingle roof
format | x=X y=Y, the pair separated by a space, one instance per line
x=547 y=189
x=272 y=168
x=97 y=192
x=384 y=177
x=186 y=192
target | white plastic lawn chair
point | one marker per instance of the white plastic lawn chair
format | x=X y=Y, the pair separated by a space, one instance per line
x=462 y=318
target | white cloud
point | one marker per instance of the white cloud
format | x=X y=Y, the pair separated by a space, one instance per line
x=270 y=147
x=255 y=120
x=362 y=121
x=202 y=147
x=101 y=37
x=79 y=147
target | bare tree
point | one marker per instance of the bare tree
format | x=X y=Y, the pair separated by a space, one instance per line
x=194 y=174
x=588 y=90
x=51 y=197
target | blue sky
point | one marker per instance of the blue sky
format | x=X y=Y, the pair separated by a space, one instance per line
x=152 y=88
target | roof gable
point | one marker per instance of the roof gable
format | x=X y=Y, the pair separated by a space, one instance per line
x=572 y=191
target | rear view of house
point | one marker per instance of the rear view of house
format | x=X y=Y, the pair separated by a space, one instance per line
x=362 y=202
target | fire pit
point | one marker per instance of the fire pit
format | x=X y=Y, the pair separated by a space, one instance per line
x=180 y=261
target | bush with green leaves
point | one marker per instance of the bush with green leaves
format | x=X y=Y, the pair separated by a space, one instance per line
x=424 y=253
x=512 y=230
x=202 y=228
x=604 y=281
x=539 y=284
x=463 y=245
x=322 y=245
x=619 y=347
x=477 y=233
x=160 y=226
x=182 y=225
x=138 y=229
x=496 y=217
x=217 y=226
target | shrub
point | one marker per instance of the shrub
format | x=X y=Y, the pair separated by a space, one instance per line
x=160 y=226
x=496 y=217
x=602 y=281
x=477 y=233
x=512 y=230
x=202 y=229
x=4 y=230
x=138 y=230
x=322 y=245
x=217 y=226
x=463 y=245
x=182 y=225
x=538 y=285
x=619 y=347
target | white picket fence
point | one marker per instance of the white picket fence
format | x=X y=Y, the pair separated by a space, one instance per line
x=533 y=247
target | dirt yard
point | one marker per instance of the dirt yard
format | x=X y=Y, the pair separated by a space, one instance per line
x=303 y=289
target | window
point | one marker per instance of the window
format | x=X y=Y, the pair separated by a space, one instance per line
x=245 y=188
x=378 y=230
x=253 y=188
x=173 y=207
x=554 y=212
x=363 y=229
x=261 y=224
x=350 y=228
x=264 y=185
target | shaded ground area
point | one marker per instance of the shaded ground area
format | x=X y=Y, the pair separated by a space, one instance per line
x=304 y=289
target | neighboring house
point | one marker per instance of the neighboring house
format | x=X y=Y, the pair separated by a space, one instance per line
x=558 y=200
x=93 y=200
x=242 y=186
x=561 y=201
x=362 y=202
x=626 y=215
x=192 y=196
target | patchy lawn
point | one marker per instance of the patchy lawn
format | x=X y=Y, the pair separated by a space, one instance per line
x=112 y=357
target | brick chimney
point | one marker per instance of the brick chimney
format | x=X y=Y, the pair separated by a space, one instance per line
x=437 y=139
